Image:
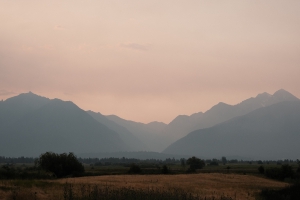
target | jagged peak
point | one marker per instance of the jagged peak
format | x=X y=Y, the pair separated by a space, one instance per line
x=179 y=117
x=26 y=96
x=156 y=122
x=222 y=104
x=282 y=92
x=195 y=114
x=284 y=95
x=263 y=95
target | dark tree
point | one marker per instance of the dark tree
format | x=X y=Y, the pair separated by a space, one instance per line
x=195 y=163
x=182 y=162
x=259 y=162
x=261 y=169
x=224 y=160
x=214 y=162
x=134 y=169
x=165 y=170
x=60 y=165
x=287 y=171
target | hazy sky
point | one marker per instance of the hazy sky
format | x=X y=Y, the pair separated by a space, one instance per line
x=149 y=60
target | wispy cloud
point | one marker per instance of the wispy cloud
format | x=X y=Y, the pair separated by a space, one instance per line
x=135 y=46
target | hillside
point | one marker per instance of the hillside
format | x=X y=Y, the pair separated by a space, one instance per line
x=51 y=125
x=133 y=142
x=183 y=124
x=150 y=134
x=271 y=132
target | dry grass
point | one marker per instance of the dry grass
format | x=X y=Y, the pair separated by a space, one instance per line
x=213 y=184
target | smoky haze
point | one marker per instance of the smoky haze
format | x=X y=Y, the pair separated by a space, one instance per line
x=149 y=60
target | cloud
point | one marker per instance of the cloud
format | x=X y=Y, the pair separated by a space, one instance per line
x=5 y=92
x=135 y=46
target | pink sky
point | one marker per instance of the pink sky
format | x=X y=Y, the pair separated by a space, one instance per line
x=149 y=60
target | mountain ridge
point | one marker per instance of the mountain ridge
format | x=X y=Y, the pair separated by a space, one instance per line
x=124 y=134
x=222 y=112
x=59 y=126
x=270 y=132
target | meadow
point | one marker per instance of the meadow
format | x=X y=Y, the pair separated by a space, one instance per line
x=204 y=185
x=221 y=182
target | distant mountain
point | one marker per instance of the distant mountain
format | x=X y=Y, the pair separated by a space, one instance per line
x=131 y=140
x=150 y=134
x=16 y=107
x=183 y=124
x=31 y=125
x=142 y=155
x=271 y=132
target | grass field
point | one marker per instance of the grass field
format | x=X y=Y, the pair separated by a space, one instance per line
x=205 y=185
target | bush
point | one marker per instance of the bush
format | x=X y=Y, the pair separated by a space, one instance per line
x=165 y=170
x=290 y=192
x=214 y=163
x=285 y=171
x=60 y=165
x=7 y=172
x=195 y=163
x=134 y=169
x=261 y=169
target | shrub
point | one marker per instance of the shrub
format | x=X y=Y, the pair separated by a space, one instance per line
x=285 y=171
x=60 y=165
x=134 y=169
x=165 y=170
x=195 y=163
x=290 y=192
x=261 y=169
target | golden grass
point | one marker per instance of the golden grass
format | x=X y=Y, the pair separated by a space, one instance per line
x=212 y=184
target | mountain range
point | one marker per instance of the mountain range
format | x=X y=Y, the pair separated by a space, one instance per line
x=31 y=124
x=182 y=125
x=272 y=132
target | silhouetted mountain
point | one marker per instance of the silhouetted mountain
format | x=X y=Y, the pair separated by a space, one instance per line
x=271 y=132
x=150 y=134
x=157 y=127
x=182 y=125
x=131 y=140
x=142 y=155
x=16 y=107
x=41 y=125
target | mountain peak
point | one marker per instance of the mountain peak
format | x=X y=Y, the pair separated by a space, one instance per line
x=29 y=95
x=285 y=95
x=265 y=94
x=222 y=104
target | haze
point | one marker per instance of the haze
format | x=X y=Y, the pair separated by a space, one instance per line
x=149 y=60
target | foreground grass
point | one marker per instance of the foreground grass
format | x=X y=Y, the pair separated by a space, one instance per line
x=209 y=186
x=291 y=192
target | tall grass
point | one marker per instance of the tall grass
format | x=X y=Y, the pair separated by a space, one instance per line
x=288 y=193
x=107 y=192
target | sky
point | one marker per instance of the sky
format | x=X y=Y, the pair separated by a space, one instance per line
x=149 y=60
